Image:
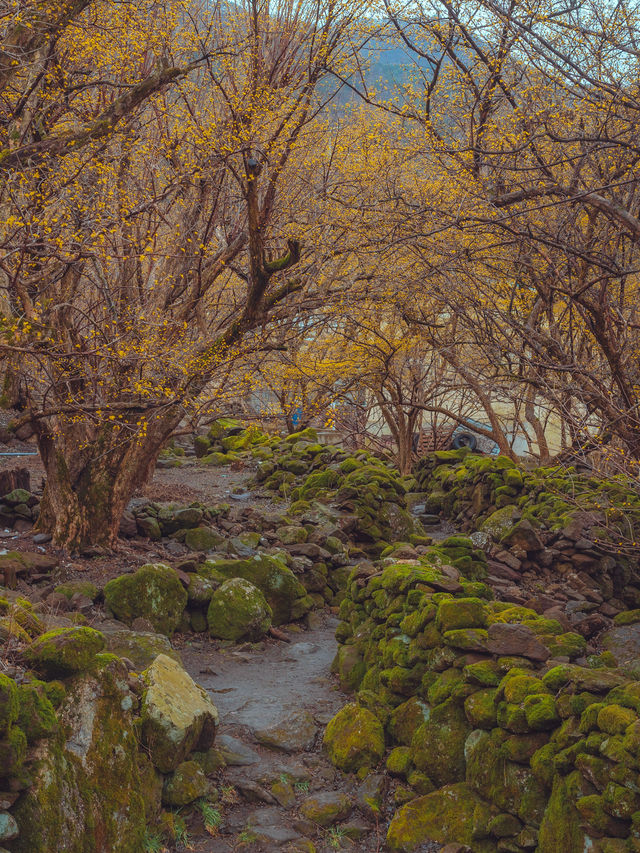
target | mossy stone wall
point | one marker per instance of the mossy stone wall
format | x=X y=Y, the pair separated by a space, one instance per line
x=503 y=750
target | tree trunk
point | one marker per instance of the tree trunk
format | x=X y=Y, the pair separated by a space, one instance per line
x=90 y=478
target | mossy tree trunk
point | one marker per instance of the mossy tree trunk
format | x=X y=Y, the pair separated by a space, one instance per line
x=92 y=473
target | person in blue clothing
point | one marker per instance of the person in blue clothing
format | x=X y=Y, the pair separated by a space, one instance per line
x=296 y=417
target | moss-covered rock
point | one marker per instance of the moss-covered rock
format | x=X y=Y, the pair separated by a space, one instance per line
x=278 y=584
x=399 y=761
x=202 y=539
x=186 y=784
x=326 y=808
x=36 y=716
x=615 y=719
x=354 y=739
x=139 y=647
x=406 y=719
x=453 y=813
x=510 y=786
x=85 y=784
x=238 y=610
x=154 y=592
x=13 y=749
x=541 y=712
x=65 y=651
x=206 y=571
x=349 y=666
x=8 y=702
x=437 y=746
x=177 y=715
x=71 y=588
x=461 y=613
x=480 y=709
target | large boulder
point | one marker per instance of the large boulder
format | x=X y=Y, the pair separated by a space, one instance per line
x=282 y=590
x=354 y=739
x=237 y=611
x=86 y=791
x=140 y=647
x=154 y=592
x=177 y=714
x=64 y=651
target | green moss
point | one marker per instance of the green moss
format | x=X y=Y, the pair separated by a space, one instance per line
x=55 y=691
x=561 y=828
x=467 y=639
x=13 y=749
x=406 y=719
x=541 y=712
x=627 y=617
x=65 y=651
x=510 y=786
x=154 y=592
x=354 y=739
x=186 y=784
x=453 y=813
x=416 y=621
x=620 y=802
x=277 y=583
x=512 y=717
x=238 y=610
x=86 y=588
x=486 y=673
x=570 y=645
x=461 y=613
x=8 y=702
x=517 y=686
x=438 y=744
x=522 y=748
x=614 y=720
x=593 y=811
x=202 y=539
x=480 y=709
x=444 y=685
x=399 y=761
x=36 y=717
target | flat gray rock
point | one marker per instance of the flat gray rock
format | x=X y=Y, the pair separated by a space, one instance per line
x=294 y=732
x=268 y=826
x=235 y=752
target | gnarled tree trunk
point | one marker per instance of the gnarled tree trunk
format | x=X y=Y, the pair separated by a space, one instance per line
x=92 y=473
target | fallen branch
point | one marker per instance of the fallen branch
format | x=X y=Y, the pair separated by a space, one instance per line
x=279 y=635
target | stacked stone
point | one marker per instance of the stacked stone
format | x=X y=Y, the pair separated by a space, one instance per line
x=19 y=509
x=546 y=519
x=226 y=441
x=499 y=740
x=368 y=494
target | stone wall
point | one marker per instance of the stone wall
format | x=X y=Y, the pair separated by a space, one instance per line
x=499 y=740
x=582 y=530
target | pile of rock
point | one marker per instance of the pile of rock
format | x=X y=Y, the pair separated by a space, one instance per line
x=230 y=599
x=504 y=736
x=367 y=495
x=552 y=522
x=19 y=509
x=90 y=751
x=226 y=441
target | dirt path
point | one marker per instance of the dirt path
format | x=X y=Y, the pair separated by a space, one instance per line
x=274 y=701
x=254 y=689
